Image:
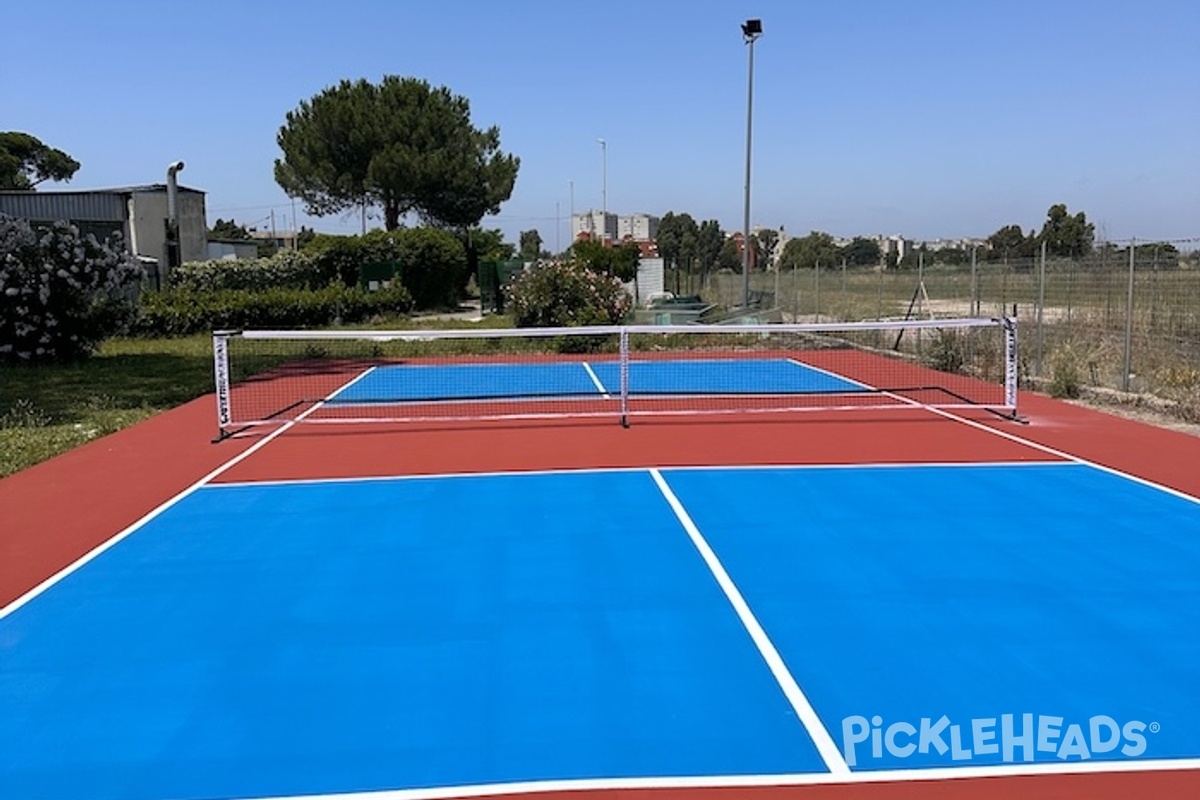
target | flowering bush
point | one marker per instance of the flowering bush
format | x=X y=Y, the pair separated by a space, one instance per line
x=557 y=295
x=61 y=294
x=286 y=269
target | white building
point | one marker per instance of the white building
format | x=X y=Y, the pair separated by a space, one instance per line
x=594 y=225
x=649 y=282
x=781 y=239
x=638 y=227
x=894 y=244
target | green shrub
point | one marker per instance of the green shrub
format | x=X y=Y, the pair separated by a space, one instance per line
x=339 y=258
x=61 y=294
x=287 y=269
x=433 y=262
x=947 y=353
x=182 y=312
x=432 y=266
x=1067 y=372
x=566 y=294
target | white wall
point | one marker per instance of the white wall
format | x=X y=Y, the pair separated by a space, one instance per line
x=148 y=230
x=231 y=250
x=650 y=279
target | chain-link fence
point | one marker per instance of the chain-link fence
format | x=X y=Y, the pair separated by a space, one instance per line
x=1125 y=319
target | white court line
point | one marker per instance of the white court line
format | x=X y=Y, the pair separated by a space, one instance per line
x=752 y=781
x=826 y=372
x=338 y=391
x=606 y=470
x=596 y=380
x=1012 y=437
x=1062 y=454
x=825 y=745
x=159 y=509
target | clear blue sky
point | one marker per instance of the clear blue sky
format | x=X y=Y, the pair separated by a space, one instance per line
x=929 y=119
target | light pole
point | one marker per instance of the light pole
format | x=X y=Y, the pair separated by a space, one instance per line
x=603 y=189
x=751 y=30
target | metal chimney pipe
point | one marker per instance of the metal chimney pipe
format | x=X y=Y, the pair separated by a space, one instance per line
x=173 y=192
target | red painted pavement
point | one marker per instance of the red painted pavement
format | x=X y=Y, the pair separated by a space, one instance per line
x=53 y=513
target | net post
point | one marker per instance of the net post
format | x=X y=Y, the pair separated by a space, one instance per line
x=221 y=380
x=624 y=338
x=1009 y=324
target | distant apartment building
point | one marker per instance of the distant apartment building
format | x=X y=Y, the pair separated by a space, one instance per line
x=614 y=228
x=965 y=243
x=594 y=226
x=638 y=227
x=894 y=244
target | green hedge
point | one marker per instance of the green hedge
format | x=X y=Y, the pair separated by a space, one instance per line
x=288 y=270
x=182 y=312
x=432 y=262
x=432 y=266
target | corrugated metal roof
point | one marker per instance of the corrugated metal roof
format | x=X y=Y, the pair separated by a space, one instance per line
x=147 y=187
x=106 y=205
x=100 y=206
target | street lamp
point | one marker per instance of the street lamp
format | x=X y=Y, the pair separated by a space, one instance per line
x=751 y=30
x=603 y=189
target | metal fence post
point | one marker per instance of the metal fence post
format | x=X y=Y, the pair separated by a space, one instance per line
x=974 y=284
x=879 y=293
x=845 y=304
x=1041 y=303
x=817 y=291
x=1129 y=321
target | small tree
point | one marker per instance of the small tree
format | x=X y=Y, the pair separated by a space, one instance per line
x=1011 y=242
x=400 y=145
x=620 y=262
x=61 y=294
x=1067 y=235
x=862 y=252
x=531 y=245
x=731 y=256
x=805 y=252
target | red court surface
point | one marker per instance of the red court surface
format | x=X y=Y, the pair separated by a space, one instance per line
x=57 y=512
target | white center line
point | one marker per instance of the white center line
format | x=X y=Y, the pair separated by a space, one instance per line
x=829 y=751
x=596 y=381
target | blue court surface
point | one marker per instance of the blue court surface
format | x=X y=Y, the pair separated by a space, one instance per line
x=417 y=382
x=298 y=639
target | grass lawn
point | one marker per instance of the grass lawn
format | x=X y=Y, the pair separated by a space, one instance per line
x=49 y=409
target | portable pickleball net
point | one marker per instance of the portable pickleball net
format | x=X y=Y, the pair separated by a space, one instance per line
x=622 y=372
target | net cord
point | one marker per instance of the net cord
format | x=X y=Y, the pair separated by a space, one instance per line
x=608 y=330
